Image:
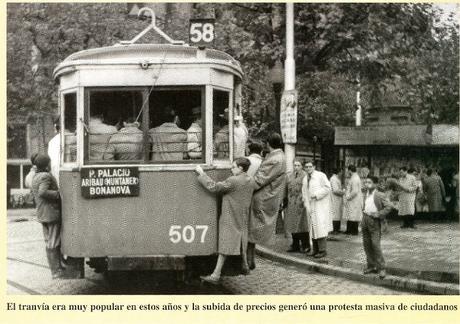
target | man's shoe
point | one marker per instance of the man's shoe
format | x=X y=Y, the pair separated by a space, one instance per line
x=58 y=274
x=382 y=274
x=320 y=255
x=370 y=270
x=211 y=279
x=291 y=249
x=245 y=269
x=310 y=252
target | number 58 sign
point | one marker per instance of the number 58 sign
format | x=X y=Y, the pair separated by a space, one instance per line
x=201 y=32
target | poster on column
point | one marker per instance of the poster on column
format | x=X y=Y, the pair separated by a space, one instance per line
x=288 y=116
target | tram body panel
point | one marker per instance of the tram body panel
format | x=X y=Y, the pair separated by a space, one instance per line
x=131 y=75
x=69 y=80
x=141 y=226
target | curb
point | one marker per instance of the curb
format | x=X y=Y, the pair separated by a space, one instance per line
x=417 y=285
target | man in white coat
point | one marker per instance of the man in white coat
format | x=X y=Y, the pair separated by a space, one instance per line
x=255 y=157
x=316 y=190
x=54 y=149
x=353 y=202
x=336 y=200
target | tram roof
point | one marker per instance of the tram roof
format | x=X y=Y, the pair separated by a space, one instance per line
x=151 y=53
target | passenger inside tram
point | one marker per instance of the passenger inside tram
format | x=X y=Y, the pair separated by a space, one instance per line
x=118 y=130
x=127 y=143
x=113 y=133
x=176 y=125
x=221 y=139
x=194 y=135
x=70 y=126
x=221 y=102
x=169 y=141
x=99 y=137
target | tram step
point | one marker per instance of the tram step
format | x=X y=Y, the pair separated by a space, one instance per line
x=147 y=262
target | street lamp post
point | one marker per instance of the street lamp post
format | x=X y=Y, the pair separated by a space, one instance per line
x=315 y=139
x=277 y=79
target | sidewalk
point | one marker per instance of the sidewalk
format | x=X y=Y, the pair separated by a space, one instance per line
x=429 y=253
x=20 y=214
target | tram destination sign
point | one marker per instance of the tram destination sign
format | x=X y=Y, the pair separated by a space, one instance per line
x=109 y=182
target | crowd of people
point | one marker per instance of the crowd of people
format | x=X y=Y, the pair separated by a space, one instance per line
x=317 y=207
x=253 y=196
x=166 y=142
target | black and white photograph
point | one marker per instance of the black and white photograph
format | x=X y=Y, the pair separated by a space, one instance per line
x=232 y=149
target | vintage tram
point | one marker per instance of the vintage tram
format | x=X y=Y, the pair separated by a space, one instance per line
x=136 y=119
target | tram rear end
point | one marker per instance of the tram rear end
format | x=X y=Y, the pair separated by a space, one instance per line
x=137 y=120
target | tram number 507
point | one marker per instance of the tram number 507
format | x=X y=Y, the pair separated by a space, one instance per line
x=201 y=31
x=188 y=233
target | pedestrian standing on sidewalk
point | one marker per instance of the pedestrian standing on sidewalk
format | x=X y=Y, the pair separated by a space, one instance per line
x=315 y=192
x=420 y=198
x=48 y=201
x=376 y=207
x=233 y=222
x=33 y=170
x=353 y=202
x=296 y=218
x=270 y=181
x=407 y=185
x=435 y=193
x=336 y=200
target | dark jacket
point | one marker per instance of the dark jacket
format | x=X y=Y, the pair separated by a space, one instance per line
x=236 y=202
x=47 y=199
x=270 y=180
x=381 y=202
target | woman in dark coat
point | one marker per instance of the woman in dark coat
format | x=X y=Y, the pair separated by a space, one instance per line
x=47 y=199
x=233 y=222
x=435 y=192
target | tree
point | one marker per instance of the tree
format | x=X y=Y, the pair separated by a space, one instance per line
x=388 y=46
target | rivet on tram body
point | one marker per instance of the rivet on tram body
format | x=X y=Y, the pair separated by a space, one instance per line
x=144 y=65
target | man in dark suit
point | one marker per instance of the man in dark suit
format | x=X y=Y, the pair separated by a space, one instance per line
x=376 y=207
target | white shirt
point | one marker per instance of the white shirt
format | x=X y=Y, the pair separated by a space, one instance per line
x=255 y=160
x=54 y=149
x=369 y=205
x=240 y=136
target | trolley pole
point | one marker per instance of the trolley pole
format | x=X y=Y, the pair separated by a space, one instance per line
x=289 y=77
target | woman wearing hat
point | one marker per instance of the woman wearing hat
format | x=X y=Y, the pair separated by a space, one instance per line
x=47 y=199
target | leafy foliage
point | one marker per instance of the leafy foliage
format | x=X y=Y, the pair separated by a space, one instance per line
x=402 y=49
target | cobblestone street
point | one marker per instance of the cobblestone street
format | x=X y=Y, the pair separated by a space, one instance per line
x=273 y=278
x=28 y=273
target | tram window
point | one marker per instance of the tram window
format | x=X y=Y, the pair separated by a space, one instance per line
x=70 y=126
x=221 y=100
x=176 y=126
x=114 y=127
